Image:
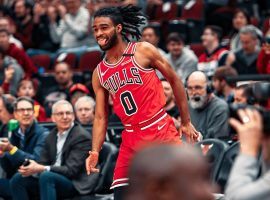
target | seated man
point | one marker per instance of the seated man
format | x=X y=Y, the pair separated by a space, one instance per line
x=85 y=108
x=208 y=113
x=61 y=167
x=25 y=142
x=223 y=88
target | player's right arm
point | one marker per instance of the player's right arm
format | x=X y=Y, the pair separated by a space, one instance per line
x=100 y=123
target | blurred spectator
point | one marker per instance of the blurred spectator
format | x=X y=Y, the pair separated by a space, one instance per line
x=182 y=59
x=24 y=22
x=19 y=54
x=209 y=114
x=215 y=55
x=63 y=76
x=41 y=29
x=183 y=174
x=263 y=61
x=26 y=142
x=73 y=29
x=61 y=167
x=85 y=108
x=222 y=87
x=244 y=183
x=76 y=91
x=240 y=19
x=6 y=113
x=240 y=95
x=149 y=34
x=10 y=73
x=245 y=59
x=27 y=88
x=170 y=106
x=5 y=24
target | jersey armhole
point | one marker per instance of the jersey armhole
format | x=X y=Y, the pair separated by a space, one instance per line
x=137 y=64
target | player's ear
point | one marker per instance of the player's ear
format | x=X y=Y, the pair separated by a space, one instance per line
x=119 y=28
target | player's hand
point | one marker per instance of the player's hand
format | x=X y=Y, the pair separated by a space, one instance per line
x=190 y=132
x=91 y=162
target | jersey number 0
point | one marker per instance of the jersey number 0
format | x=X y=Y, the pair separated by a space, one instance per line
x=128 y=103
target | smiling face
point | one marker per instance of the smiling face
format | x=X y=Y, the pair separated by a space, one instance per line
x=106 y=33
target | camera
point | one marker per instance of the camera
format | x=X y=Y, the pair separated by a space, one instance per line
x=265 y=114
x=26 y=162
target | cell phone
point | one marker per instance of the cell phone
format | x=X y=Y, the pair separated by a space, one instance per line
x=26 y=162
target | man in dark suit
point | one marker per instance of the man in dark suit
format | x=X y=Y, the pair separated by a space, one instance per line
x=60 y=173
x=26 y=141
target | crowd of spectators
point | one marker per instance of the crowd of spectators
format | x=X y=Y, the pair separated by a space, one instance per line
x=238 y=45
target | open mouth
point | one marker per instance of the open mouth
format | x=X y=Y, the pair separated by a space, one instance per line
x=102 y=41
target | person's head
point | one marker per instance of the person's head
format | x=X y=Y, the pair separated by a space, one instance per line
x=24 y=111
x=72 y=6
x=197 y=89
x=219 y=78
x=22 y=8
x=167 y=91
x=62 y=115
x=241 y=94
x=249 y=38
x=26 y=88
x=4 y=39
x=4 y=23
x=76 y=91
x=175 y=44
x=112 y=23
x=149 y=34
x=211 y=36
x=6 y=108
x=84 y=108
x=240 y=19
x=183 y=174
x=63 y=74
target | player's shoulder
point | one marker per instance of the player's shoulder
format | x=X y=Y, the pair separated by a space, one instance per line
x=145 y=46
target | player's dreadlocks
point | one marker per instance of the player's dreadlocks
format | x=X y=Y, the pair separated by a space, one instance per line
x=129 y=16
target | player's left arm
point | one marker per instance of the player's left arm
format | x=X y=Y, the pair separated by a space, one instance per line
x=148 y=55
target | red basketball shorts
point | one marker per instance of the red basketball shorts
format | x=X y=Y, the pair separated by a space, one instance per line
x=162 y=131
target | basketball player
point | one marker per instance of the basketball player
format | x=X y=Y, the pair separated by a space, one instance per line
x=128 y=73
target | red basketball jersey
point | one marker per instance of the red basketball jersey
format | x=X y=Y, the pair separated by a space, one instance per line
x=137 y=92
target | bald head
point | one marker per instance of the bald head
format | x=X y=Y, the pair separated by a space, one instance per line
x=168 y=172
x=197 y=76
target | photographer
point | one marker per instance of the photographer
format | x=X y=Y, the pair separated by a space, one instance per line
x=243 y=182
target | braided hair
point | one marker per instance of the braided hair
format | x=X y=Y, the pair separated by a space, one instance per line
x=130 y=17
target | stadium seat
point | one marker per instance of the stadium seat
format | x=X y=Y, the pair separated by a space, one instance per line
x=179 y=26
x=213 y=150
x=167 y=11
x=198 y=48
x=226 y=165
x=42 y=60
x=89 y=60
x=69 y=58
x=194 y=30
x=193 y=10
x=107 y=161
